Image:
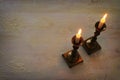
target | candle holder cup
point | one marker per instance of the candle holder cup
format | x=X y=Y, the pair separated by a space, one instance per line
x=73 y=57
x=91 y=45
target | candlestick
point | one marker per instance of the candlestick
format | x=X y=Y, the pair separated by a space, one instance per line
x=73 y=57
x=91 y=45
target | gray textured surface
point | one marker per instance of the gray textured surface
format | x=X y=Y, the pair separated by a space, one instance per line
x=34 y=34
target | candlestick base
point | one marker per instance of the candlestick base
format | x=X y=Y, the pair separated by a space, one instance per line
x=91 y=47
x=72 y=61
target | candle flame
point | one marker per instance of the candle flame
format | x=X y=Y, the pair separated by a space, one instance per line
x=103 y=18
x=78 y=35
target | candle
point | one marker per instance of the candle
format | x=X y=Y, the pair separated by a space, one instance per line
x=102 y=21
x=78 y=35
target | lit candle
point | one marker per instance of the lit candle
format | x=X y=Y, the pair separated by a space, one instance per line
x=78 y=35
x=102 y=21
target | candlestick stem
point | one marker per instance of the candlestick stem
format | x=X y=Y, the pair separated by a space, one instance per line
x=94 y=38
x=74 y=56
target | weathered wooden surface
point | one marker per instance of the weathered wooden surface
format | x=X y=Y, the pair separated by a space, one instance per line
x=34 y=34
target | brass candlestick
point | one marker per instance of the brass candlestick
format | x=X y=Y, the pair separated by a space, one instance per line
x=91 y=45
x=73 y=57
